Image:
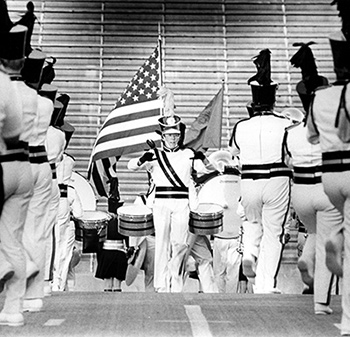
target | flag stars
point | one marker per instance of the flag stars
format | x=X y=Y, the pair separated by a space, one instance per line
x=134 y=87
x=147 y=84
x=149 y=95
x=128 y=94
x=140 y=80
x=141 y=91
x=135 y=98
x=153 y=66
x=153 y=77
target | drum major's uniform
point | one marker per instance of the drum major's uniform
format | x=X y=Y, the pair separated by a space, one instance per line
x=170 y=208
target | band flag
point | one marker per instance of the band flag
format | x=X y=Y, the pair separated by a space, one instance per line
x=205 y=132
x=130 y=124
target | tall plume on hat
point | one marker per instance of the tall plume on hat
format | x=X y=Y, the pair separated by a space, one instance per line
x=28 y=19
x=304 y=59
x=343 y=6
x=167 y=96
x=262 y=63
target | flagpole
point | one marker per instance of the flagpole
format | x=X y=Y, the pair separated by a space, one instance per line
x=160 y=55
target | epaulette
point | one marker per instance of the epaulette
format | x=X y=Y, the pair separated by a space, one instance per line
x=291 y=127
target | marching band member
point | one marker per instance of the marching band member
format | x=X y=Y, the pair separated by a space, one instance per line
x=328 y=124
x=265 y=180
x=170 y=167
x=315 y=211
x=64 y=173
x=34 y=238
x=18 y=109
x=55 y=145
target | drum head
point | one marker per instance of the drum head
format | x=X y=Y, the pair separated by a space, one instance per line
x=84 y=190
x=134 y=210
x=224 y=190
x=95 y=216
x=205 y=208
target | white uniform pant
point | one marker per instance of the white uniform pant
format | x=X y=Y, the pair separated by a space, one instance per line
x=148 y=263
x=202 y=254
x=61 y=239
x=34 y=236
x=69 y=244
x=18 y=189
x=266 y=205
x=337 y=187
x=227 y=261
x=319 y=216
x=50 y=227
x=170 y=218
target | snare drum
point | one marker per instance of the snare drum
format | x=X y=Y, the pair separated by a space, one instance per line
x=135 y=220
x=92 y=223
x=224 y=189
x=206 y=219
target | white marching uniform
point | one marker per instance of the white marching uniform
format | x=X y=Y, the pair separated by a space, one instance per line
x=76 y=209
x=34 y=236
x=335 y=169
x=64 y=173
x=265 y=190
x=170 y=214
x=313 y=207
x=55 y=144
x=18 y=186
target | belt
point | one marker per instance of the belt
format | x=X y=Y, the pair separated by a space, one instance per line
x=63 y=190
x=337 y=161
x=37 y=154
x=171 y=192
x=307 y=175
x=15 y=152
x=265 y=171
x=53 y=169
x=113 y=245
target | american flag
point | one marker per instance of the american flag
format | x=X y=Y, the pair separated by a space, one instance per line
x=130 y=124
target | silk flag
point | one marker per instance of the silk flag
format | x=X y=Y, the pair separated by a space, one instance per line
x=205 y=131
x=130 y=124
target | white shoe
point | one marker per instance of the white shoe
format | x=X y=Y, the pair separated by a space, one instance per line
x=33 y=305
x=11 y=319
x=47 y=290
x=322 y=309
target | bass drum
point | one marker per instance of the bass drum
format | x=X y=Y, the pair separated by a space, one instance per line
x=224 y=190
x=84 y=190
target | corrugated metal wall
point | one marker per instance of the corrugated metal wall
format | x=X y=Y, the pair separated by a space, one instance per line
x=99 y=45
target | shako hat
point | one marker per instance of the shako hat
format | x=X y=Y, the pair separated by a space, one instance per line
x=341 y=54
x=170 y=124
x=344 y=13
x=49 y=91
x=13 y=43
x=59 y=114
x=304 y=59
x=56 y=114
x=262 y=87
x=33 y=66
x=68 y=130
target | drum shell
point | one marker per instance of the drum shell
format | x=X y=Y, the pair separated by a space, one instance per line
x=206 y=223
x=86 y=228
x=135 y=224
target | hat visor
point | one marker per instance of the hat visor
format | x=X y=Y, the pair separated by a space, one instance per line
x=171 y=131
